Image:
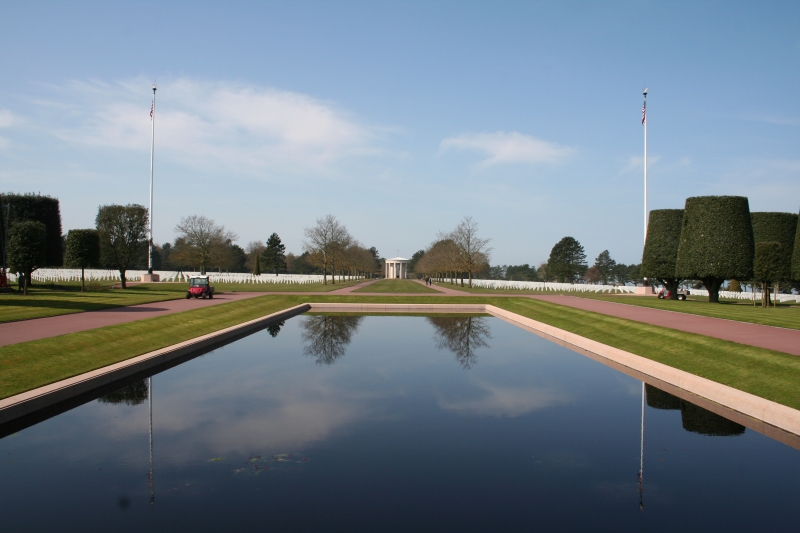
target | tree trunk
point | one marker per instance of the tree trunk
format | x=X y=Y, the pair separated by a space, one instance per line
x=122 y=278
x=470 y=279
x=712 y=285
x=25 y=283
x=83 y=282
x=672 y=285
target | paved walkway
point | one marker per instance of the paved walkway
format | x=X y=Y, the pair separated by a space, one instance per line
x=52 y=326
x=771 y=338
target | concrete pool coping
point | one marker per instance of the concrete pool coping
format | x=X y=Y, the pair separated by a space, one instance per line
x=772 y=419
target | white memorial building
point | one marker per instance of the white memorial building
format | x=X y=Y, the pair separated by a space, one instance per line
x=396 y=268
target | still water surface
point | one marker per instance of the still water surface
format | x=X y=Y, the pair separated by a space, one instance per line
x=334 y=423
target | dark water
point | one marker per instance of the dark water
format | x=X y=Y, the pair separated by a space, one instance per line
x=393 y=424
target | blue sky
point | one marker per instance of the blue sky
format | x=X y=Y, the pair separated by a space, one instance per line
x=401 y=118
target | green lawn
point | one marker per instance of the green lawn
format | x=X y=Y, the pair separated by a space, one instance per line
x=396 y=285
x=46 y=302
x=784 y=316
x=63 y=298
x=765 y=373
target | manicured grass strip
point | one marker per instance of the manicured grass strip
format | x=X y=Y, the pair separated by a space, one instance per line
x=34 y=364
x=765 y=373
x=783 y=316
x=396 y=285
x=283 y=287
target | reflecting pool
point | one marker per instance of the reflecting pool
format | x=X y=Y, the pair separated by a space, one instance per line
x=386 y=423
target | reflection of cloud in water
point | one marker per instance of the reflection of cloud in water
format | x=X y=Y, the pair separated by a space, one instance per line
x=287 y=411
x=496 y=400
x=202 y=416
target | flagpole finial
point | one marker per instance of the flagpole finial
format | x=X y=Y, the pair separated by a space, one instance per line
x=643 y=92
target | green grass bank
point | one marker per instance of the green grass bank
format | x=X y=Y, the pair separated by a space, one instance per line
x=771 y=375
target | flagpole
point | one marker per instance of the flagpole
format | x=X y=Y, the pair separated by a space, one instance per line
x=152 y=149
x=644 y=123
x=150 y=405
x=641 y=453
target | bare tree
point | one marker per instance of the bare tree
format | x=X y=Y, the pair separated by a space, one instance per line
x=322 y=242
x=462 y=336
x=473 y=251
x=202 y=242
x=441 y=257
x=327 y=336
x=338 y=254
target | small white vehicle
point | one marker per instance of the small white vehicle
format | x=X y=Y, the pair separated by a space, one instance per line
x=665 y=294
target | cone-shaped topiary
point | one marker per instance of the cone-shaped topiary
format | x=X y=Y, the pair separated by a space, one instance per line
x=774 y=260
x=661 y=248
x=716 y=241
x=257 y=266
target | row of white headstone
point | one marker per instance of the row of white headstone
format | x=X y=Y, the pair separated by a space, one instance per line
x=610 y=289
x=74 y=274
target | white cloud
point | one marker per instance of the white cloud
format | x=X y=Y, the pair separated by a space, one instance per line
x=6 y=118
x=508 y=147
x=218 y=124
x=501 y=401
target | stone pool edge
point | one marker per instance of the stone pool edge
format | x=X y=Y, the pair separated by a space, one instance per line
x=769 y=412
x=29 y=402
x=777 y=415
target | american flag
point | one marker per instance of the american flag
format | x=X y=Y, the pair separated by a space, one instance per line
x=153 y=105
x=644 y=113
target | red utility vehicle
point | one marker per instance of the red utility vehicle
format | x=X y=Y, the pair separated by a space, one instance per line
x=664 y=294
x=199 y=287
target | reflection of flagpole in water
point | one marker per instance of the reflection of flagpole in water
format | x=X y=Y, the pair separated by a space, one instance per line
x=641 y=453
x=150 y=403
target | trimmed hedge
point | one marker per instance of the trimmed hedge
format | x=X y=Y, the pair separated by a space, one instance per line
x=659 y=399
x=693 y=418
x=770 y=265
x=774 y=235
x=42 y=209
x=661 y=247
x=702 y=421
x=716 y=241
x=777 y=227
